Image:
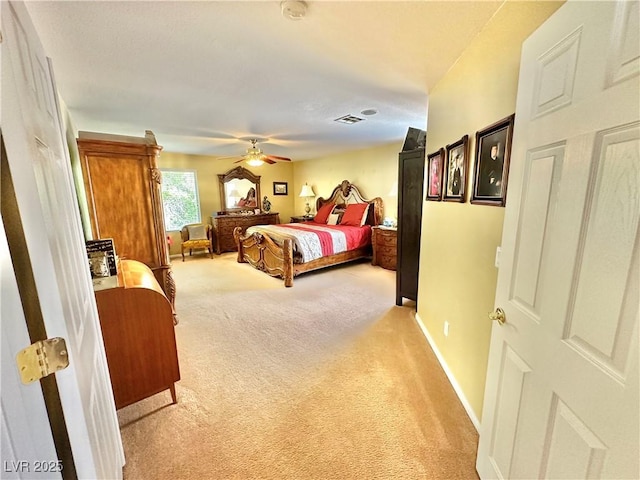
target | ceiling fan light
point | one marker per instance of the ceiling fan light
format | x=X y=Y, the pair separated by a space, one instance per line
x=255 y=162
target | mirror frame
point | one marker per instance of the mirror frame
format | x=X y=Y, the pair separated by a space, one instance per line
x=239 y=173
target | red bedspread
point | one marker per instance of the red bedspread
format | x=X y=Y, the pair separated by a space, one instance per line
x=314 y=240
x=356 y=237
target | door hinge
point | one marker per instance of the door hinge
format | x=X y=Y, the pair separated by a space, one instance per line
x=41 y=359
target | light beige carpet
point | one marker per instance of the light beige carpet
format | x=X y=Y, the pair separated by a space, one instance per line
x=325 y=380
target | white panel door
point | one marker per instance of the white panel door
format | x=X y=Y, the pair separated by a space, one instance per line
x=41 y=173
x=561 y=397
x=25 y=434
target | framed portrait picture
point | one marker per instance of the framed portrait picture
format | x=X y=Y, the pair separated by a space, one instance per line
x=280 y=188
x=455 y=171
x=493 y=151
x=434 y=165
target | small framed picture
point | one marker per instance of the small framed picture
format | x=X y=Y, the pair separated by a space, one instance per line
x=455 y=171
x=434 y=164
x=493 y=151
x=280 y=188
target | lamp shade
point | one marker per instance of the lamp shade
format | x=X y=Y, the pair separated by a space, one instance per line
x=307 y=191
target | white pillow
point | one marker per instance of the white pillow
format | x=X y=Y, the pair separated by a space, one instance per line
x=333 y=219
x=197 y=232
x=364 y=215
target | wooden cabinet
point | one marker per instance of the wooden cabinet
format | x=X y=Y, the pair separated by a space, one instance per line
x=223 y=226
x=410 y=198
x=139 y=338
x=385 y=247
x=122 y=185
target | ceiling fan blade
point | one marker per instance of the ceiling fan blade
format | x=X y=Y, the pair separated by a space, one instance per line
x=277 y=158
x=268 y=160
x=239 y=161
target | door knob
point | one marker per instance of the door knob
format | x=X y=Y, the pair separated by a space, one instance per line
x=498 y=315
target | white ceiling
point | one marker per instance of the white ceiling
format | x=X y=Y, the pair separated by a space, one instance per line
x=205 y=76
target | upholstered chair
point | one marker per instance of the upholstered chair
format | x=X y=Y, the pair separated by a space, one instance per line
x=196 y=235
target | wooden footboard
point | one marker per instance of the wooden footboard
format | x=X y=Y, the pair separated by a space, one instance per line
x=264 y=254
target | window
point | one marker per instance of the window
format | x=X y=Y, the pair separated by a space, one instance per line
x=180 y=198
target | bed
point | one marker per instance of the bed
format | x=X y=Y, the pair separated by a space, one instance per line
x=290 y=249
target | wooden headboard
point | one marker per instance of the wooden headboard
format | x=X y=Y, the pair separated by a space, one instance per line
x=346 y=193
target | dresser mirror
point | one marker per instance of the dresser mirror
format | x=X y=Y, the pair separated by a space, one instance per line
x=239 y=190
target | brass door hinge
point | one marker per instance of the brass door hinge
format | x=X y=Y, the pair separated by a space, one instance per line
x=41 y=359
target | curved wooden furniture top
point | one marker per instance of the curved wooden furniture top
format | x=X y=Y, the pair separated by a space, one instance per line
x=136 y=320
x=347 y=193
x=134 y=274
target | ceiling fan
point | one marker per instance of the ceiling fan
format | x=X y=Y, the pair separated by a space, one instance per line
x=255 y=157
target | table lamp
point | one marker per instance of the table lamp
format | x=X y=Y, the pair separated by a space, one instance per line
x=235 y=196
x=307 y=192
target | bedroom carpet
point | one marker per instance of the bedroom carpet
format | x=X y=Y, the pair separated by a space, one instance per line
x=325 y=380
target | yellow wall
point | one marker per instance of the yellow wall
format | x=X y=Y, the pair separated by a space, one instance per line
x=207 y=169
x=457 y=275
x=373 y=170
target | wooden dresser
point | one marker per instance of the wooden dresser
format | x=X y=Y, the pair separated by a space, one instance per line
x=122 y=185
x=223 y=226
x=139 y=338
x=385 y=247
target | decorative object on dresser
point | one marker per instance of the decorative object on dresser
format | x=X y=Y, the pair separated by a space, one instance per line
x=102 y=263
x=223 y=226
x=385 y=247
x=410 y=187
x=196 y=235
x=307 y=193
x=275 y=249
x=136 y=319
x=122 y=185
x=266 y=205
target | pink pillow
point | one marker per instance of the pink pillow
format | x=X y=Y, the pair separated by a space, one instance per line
x=324 y=212
x=355 y=214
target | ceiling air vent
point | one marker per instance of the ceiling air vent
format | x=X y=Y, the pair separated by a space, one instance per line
x=349 y=119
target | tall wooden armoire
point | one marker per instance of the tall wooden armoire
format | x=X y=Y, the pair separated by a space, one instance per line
x=122 y=184
x=410 y=198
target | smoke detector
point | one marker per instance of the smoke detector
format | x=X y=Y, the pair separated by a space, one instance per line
x=293 y=9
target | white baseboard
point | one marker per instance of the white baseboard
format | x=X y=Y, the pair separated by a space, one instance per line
x=456 y=387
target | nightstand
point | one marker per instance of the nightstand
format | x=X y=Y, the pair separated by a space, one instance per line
x=385 y=247
x=301 y=218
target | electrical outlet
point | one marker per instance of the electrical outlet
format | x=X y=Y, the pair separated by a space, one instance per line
x=446 y=328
